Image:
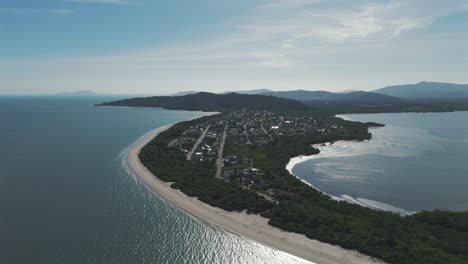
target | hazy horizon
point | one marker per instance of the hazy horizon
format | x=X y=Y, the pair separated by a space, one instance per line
x=163 y=47
x=182 y=92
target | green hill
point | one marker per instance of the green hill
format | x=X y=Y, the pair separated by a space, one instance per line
x=212 y=102
x=355 y=96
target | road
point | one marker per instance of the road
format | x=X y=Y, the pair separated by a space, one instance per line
x=247 y=134
x=266 y=132
x=195 y=146
x=220 y=160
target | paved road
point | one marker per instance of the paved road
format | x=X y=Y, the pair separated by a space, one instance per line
x=220 y=161
x=247 y=134
x=266 y=132
x=195 y=146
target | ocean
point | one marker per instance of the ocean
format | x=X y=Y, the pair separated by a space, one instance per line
x=417 y=162
x=67 y=196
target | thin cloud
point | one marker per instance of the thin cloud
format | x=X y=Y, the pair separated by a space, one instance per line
x=294 y=44
x=287 y=34
x=288 y=4
x=293 y=32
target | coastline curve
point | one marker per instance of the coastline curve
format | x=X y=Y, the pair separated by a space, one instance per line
x=375 y=205
x=250 y=226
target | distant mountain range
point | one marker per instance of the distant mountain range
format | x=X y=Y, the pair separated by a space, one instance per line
x=213 y=102
x=304 y=95
x=183 y=93
x=348 y=91
x=422 y=97
x=358 y=96
x=387 y=95
x=256 y=91
x=435 y=90
x=422 y=90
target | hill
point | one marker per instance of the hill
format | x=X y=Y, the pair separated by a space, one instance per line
x=348 y=91
x=183 y=93
x=213 y=102
x=300 y=94
x=361 y=96
x=256 y=91
x=355 y=96
x=436 y=90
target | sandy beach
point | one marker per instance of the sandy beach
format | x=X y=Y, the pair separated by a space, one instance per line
x=251 y=226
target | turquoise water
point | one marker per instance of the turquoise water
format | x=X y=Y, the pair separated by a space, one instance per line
x=417 y=162
x=66 y=196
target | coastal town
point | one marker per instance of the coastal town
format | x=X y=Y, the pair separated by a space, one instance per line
x=236 y=162
x=237 y=132
x=206 y=142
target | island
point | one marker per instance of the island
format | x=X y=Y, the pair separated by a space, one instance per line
x=230 y=169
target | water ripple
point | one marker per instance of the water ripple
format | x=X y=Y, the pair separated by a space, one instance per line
x=169 y=235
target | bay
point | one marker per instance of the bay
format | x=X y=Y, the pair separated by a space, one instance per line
x=417 y=162
x=66 y=195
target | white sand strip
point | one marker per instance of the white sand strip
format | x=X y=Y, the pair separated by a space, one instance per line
x=251 y=226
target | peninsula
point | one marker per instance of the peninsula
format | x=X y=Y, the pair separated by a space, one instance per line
x=229 y=169
x=252 y=226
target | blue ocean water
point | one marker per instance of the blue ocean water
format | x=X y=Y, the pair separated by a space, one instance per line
x=66 y=196
x=417 y=162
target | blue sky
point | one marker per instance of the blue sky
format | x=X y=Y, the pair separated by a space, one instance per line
x=165 y=46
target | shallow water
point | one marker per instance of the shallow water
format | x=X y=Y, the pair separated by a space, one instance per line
x=66 y=195
x=417 y=162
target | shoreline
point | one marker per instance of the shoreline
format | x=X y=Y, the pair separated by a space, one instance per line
x=300 y=159
x=251 y=226
x=371 y=204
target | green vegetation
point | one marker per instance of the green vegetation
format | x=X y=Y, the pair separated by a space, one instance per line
x=326 y=102
x=403 y=106
x=195 y=178
x=213 y=102
x=426 y=237
x=355 y=96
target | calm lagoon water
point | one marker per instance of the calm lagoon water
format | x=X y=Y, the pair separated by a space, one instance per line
x=419 y=161
x=66 y=195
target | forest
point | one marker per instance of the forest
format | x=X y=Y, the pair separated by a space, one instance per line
x=425 y=237
x=204 y=101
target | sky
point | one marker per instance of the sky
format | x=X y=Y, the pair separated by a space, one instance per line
x=167 y=46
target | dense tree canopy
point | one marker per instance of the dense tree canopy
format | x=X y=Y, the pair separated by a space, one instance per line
x=425 y=237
